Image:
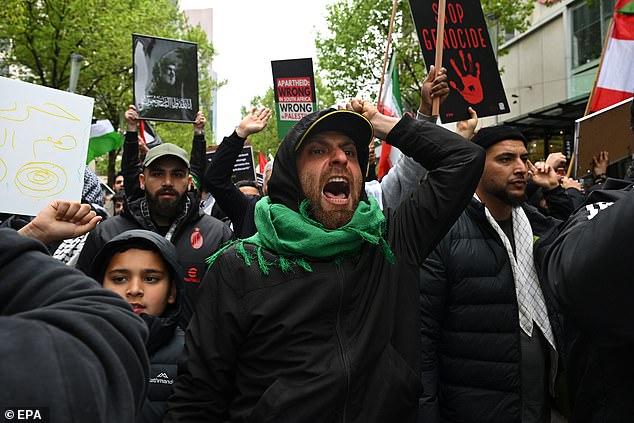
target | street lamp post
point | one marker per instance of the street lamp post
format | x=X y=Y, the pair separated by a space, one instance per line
x=75 y=66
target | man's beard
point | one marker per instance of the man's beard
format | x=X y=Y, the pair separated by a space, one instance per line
x=336 y=217
x=169 y=208
x=510 y=199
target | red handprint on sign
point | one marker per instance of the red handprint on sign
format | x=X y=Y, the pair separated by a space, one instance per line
x=472 y=87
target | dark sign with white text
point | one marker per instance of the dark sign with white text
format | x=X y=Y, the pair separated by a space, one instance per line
x=294 y=86
x=165 y=78
x=243 y=168
x=468 y=56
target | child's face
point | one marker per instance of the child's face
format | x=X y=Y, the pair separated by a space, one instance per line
x=141 y=278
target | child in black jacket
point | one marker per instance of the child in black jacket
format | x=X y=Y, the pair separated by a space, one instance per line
x=142 y=267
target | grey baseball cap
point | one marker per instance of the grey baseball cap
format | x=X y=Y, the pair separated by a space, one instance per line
x=163 y=150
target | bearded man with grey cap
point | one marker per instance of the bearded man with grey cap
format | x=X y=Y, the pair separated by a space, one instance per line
x=315 y=317
x=487 y=331
x=167 y=210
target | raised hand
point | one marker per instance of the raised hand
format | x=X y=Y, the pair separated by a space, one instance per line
x=600 y=163
x=556 y=160
x=567 y=182
x=199 y=123
x=434 y=85
x=132 y=118
x=61 y=220
x=254 y=122
x=382 y=124
x=543 y=175
x=471 y=90
x=466 y=128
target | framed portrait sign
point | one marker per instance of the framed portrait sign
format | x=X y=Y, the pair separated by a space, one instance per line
x=165 y=78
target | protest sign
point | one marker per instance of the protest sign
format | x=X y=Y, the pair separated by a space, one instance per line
x=43 y=144
x=294 y=86
x=468 y=57
x=165 y=78
x=607 y=129
x=243 y=168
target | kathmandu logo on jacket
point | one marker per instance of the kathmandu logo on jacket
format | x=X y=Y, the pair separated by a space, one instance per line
x=196 y=239
x=162 y=378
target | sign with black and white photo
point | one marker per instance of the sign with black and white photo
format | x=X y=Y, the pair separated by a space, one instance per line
x=294 y=87
x=165 y=78
x=243 y=168
x=468 y=56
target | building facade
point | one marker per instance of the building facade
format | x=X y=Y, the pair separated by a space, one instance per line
x=548 y=71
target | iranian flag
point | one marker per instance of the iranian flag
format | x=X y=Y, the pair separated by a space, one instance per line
x=615 y=81
x=103 y=139
x=391 y=106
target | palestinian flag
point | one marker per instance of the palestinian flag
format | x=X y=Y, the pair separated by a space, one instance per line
x=103 y=139
x=615 y=81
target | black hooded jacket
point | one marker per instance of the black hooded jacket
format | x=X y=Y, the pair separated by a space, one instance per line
x=588 y=266
x=66 y=344
x=339 y=343
x=196 y=237
x=166 y=339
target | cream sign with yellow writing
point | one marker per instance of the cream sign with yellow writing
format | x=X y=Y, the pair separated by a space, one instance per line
x=43 y=143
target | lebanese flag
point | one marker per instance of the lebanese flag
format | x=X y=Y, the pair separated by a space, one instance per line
x=615 y=81
x=390 y=106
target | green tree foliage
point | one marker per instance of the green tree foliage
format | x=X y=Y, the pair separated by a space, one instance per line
x=41 y=35
x=351 y=52
x=267 y=141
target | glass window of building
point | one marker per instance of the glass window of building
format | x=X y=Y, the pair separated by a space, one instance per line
x=590 y=22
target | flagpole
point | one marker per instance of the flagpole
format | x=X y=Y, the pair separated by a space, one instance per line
x=387 y=51
x=570 y=166
x=596 y=79
x=440 y=38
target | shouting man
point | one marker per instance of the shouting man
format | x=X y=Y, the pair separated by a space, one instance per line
x=315 y=317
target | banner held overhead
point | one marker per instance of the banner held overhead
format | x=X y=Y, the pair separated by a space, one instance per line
x=165 y=78
x=467 y=55
x=294 y=86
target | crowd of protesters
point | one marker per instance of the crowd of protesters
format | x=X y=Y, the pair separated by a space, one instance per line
x=467 y=285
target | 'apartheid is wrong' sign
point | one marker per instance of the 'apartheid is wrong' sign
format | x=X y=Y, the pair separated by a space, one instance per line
x=472 y=70
x=294 y=85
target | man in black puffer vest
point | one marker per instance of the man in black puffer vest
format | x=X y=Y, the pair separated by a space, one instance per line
x=488 y=333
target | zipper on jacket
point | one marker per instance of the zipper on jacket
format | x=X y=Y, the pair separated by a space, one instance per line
x=343 y=352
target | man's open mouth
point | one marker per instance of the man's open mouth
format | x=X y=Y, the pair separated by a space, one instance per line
x=337 y=190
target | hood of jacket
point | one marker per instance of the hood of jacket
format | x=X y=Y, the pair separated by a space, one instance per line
x=161 y=327
x=284 y=186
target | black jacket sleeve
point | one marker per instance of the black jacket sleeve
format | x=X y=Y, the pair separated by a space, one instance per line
x=197 y=158
x=131 y=167
x=559 y=203
x=588 y=266
x=454 y=168
x=67 y=343
x=576 y=197
x=218 y=179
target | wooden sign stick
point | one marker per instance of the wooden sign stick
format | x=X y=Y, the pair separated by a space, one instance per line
x=440 y=38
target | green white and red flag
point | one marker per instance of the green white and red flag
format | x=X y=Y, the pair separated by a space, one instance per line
x=390 y=105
